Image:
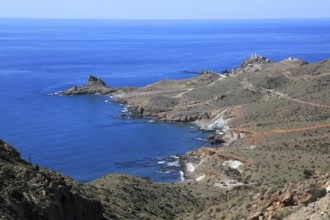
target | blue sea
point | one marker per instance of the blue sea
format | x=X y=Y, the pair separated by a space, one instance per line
x=82 y=137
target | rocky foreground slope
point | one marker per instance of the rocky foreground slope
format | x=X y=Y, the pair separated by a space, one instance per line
x=31 y=192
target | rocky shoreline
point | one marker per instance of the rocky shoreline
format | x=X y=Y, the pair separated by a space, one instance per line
x=31 y=192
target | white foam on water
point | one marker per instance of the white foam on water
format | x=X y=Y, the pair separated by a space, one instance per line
x=173 y=164
x=181 y=176
x=165 y=171
x=54 y=93
x=174 y=156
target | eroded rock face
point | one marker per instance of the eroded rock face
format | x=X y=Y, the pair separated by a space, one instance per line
x=214 y=165
x=93 y=81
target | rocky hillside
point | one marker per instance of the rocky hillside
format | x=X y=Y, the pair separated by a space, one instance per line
x=271 y=121
x=262 y=112
x=31 y=192
x=258 y=82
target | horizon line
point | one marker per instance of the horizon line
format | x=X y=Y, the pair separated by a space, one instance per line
x=164 y=19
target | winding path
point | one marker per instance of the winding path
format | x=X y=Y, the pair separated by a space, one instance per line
x=247 y=85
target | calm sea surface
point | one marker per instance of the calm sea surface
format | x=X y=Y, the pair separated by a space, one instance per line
x=81 y=136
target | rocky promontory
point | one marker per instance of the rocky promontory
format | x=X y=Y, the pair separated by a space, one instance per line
x=259 y=112
x=258 y=106
x=95 y=86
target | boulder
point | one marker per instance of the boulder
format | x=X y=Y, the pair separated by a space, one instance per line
x=288 y=199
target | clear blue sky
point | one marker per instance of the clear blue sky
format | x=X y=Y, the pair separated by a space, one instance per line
x=165 y=9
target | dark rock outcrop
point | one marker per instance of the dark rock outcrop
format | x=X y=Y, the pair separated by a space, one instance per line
x=96 y=86
x=204 y=72
x=9 y=154
x=93 y=81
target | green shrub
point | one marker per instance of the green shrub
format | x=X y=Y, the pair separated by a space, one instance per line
x=308 y=173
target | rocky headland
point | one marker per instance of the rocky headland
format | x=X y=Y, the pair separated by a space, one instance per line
x=95 y=86
x=271 y=121
x=258 y=113
x=262 y=107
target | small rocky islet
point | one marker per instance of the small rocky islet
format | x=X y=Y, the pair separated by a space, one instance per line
x=95 y=86
x=270 y=124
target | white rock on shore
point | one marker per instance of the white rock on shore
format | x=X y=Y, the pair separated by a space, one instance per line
x=200 y=178
x=218 y=123
x=190 y=167
x=234 y=164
